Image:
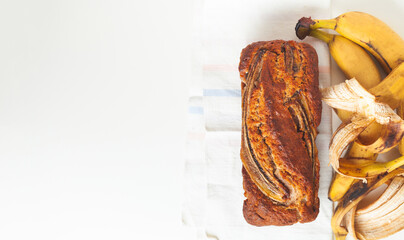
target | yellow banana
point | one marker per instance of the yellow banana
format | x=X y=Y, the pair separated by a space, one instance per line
x=391 y=89
x=364 y=29
x=376 y=37
x=354 y=62
x=388 y=48
x=352 y=59
x=340 y=184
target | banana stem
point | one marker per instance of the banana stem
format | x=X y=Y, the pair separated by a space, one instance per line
x=329 y=24
x=305 y=25
x=326 y=37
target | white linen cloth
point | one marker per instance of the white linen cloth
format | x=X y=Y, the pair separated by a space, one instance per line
x=213 y=192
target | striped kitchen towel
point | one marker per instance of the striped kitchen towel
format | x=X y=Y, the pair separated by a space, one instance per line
x=213 y=192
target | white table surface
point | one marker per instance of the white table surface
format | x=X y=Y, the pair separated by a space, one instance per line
x=92 y=103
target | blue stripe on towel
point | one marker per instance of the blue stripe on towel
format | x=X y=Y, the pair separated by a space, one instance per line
x=195 y=110
x=221 y=92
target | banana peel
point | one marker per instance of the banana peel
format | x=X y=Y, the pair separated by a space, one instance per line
x=382 y=217
x=365 y=30
x=352 y=198
x=351 y=96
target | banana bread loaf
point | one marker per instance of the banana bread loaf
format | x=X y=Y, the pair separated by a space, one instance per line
x=281 y=109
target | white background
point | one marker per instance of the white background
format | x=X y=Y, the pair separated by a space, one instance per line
x=93 y=101
x=92 y=113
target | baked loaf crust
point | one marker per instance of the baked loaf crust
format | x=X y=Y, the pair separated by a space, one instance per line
x=281 y=105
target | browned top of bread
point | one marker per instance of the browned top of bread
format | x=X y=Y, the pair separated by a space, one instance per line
x=281 y=111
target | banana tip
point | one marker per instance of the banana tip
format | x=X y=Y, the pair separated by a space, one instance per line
x=303 y=27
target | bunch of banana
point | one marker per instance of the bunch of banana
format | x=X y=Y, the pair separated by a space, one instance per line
x=370 y=126
x=365 y=30
x=351 y=96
